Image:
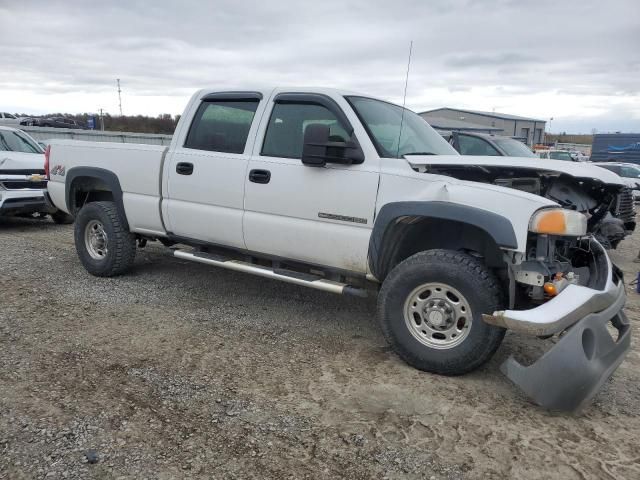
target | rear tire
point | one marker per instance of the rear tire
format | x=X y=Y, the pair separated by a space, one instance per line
x=104 y=245
x=61 y=218
x=430 y=309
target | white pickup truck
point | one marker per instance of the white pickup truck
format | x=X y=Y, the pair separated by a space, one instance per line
x=22 y=180
x=353 y=195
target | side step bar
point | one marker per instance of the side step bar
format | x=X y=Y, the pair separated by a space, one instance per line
x=297 y=278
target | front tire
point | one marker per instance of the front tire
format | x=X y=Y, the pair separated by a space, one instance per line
x=104 y=245
x=430 y=309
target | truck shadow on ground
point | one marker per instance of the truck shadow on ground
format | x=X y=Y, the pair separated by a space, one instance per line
x=26 y=224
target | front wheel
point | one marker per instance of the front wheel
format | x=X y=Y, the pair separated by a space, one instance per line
x=104 y=245
x=430 y=309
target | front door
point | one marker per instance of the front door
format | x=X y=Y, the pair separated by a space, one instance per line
x=206 y=172
x=317 y=215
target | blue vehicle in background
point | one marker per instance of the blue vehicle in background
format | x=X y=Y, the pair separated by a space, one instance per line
x=616 y=147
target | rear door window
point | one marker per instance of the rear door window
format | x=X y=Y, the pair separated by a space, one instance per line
x=222 y=125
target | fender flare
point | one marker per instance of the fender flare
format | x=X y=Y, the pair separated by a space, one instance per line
x=106 y=176
x=496 y=226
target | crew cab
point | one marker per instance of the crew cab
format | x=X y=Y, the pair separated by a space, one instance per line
x=353 y=195
x=22 y=180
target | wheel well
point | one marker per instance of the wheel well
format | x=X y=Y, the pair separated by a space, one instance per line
x=413 y=234
x=84 y=190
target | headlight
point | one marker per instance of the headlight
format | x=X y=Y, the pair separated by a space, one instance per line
x=558 y=221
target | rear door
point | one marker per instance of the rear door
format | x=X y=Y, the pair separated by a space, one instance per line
x=318 y=215
x=207 y=169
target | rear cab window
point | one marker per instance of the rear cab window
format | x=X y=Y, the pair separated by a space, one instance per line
x=222 y=123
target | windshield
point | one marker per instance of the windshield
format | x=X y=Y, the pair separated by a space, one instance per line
x=560 y=156
x=514 y=148
x=382 y=121
x=12 y=141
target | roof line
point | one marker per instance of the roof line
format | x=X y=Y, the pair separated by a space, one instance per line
x=484 y=114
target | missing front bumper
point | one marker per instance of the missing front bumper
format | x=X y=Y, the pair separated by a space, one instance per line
x=569 y=375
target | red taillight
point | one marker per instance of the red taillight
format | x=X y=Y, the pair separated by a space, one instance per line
x=47 y=151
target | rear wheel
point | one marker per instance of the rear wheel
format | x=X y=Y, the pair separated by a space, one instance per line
x=430 y=308
x=104 y=246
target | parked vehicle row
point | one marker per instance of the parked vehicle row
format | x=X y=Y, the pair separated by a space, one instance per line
x=353 y=195
x=53 y=122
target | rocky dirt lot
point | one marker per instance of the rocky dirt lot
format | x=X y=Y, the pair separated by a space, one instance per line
x=180 y=370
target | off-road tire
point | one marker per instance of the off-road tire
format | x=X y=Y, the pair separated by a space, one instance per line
x=472 y=279
x=61 y=218
x=121 y=244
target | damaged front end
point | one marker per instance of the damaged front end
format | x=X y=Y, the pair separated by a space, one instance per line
x=568 y=288
x=608 y=206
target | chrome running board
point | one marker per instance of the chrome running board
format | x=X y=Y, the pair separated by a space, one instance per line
x=289 y=276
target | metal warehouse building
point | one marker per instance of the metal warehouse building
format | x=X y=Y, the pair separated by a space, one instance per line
x=530 y=130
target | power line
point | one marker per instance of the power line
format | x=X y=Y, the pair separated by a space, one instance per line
x=119 y=96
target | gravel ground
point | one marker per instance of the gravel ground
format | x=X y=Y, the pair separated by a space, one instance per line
x=179 y=370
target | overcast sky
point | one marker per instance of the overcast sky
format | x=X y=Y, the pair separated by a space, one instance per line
x=577 y=61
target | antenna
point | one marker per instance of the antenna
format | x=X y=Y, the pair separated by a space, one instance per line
x=404 y=99
x=119 y=96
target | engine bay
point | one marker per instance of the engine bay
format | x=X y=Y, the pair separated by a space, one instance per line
x=598 y=201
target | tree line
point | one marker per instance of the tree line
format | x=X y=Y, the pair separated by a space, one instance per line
x=164 y=123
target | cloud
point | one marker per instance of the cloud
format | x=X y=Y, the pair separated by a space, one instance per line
x=65 y=55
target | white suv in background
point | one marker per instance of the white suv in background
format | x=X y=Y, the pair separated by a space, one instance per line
x=9 y=119
x=629 y=172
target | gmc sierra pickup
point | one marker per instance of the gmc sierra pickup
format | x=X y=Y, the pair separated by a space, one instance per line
x=353 y=195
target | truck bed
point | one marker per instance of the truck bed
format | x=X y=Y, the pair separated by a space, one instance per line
x=137 y=166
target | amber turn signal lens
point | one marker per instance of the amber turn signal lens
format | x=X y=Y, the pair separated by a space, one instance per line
x=550 y=289
x=552 y=222
x=558 y=221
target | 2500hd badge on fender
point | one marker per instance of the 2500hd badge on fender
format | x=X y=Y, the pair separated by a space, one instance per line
x=350 y=194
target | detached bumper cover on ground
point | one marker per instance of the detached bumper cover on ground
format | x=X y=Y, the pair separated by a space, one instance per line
x=568 y=375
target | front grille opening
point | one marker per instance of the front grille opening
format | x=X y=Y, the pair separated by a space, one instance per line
x=22 y=184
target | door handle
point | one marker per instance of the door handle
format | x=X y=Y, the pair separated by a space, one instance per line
x=184 y=168
x=259 y=176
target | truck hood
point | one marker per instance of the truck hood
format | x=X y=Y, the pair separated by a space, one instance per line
x=21 y=162
x=573 y=169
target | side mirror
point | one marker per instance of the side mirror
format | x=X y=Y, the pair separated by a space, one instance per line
x=318 y=148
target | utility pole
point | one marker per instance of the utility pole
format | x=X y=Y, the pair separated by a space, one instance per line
x=119 y=96
x=101 y=121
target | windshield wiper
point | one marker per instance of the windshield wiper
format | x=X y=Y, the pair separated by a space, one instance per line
x=420 y=153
